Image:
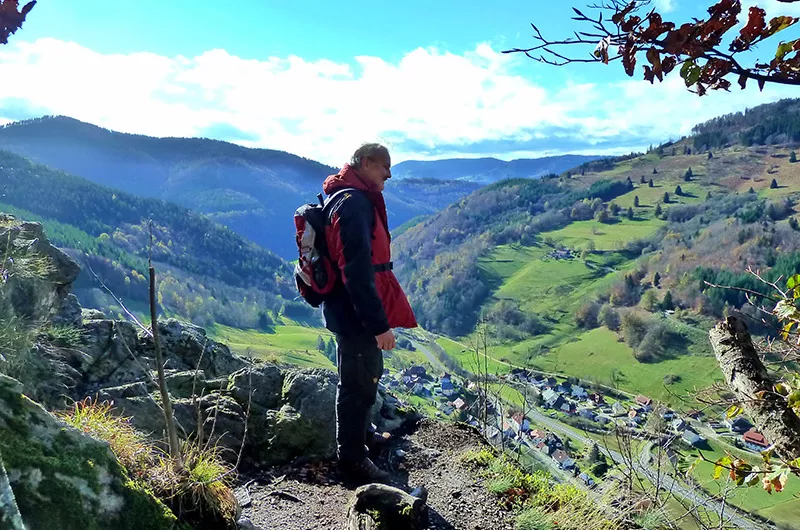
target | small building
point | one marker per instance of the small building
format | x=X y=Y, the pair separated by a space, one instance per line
x=692 y=438
x=602 y=419
x=563 y=459
x=579 y=392
x=738 y=424
x=567 y=407
x=460 y=404
x=755 y=440
x=538 y=434
x=644 y=402
x=678 y=425
x=597 y=398
x=564 y=388
x=552 y=399
x=587 y=413
x=520 y=422
x=618 y=409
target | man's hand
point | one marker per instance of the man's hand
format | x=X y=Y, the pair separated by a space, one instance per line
x=386 y=340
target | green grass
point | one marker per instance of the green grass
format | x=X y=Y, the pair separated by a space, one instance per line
x=605 y=236
x=783 y=508
x=596 y=354
x=464 y=355
x=290 y=343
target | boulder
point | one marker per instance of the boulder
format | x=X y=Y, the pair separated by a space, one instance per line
x=62 y=478
x=377 y=506
x=304 y=426
x=264 y=380
x=38 y=289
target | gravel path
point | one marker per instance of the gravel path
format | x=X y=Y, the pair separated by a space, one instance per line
x=313 y=497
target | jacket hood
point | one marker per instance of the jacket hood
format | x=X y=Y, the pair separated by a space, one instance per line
x=347 y=178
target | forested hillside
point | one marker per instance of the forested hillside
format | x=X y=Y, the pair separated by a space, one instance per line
x=252 y=191
x=765 y=125
x=208 y=272
x=610 y=260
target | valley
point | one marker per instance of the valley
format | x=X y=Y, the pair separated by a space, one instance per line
x=594 y=274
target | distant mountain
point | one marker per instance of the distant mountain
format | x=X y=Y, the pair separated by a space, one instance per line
x=252 y=191
x=488 y=170
x=207 y=272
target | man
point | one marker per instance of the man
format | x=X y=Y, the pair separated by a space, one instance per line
x=366 y=304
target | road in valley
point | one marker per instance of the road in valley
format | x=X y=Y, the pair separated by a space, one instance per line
x=668 y=483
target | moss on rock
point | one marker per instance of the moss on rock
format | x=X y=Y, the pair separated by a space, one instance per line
x=63 y=478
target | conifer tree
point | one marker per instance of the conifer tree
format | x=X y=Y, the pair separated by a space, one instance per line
x=792 y=157
x=773 y=185
x=636 y=201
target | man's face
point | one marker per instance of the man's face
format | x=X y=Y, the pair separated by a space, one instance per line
x=378 y=170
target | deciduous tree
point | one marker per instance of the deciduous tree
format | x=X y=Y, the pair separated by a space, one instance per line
x=706 y=52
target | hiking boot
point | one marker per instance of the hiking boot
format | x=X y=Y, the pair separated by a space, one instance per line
x=364 y=470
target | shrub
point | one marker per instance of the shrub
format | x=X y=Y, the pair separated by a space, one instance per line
x=634 y=328
x=587 y=316
x=609 y=317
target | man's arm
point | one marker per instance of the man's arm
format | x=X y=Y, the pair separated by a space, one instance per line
x=355 y=222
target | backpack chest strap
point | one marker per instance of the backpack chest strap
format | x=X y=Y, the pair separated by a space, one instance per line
x=383 y=267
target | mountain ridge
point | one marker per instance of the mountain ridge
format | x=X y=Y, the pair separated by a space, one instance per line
x=486 y=170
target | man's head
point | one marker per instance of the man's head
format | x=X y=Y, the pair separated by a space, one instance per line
x=373 y=163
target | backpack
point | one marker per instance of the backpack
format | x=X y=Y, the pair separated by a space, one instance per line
x=315 y=274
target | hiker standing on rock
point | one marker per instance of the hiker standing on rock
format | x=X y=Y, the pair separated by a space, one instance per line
x=364 y=307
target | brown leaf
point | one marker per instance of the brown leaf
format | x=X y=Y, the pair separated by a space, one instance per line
x=620 y=15
x=628 y=52
x=756 y=24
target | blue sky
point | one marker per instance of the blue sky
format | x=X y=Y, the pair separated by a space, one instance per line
x=317 y=78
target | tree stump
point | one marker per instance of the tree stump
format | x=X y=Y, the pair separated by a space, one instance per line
x=380 y=507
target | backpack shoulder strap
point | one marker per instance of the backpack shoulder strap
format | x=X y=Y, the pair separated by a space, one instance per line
x=335 y=194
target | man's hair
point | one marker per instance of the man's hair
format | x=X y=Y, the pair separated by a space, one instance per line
x=370 y=151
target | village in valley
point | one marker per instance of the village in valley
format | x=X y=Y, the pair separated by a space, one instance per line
x=561 y=418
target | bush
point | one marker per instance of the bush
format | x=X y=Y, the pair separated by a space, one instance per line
x=653 y=344
x=634 y=328
x=587 y=315
x=609 y=317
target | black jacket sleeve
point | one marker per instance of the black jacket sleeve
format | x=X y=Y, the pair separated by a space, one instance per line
x=355 y=230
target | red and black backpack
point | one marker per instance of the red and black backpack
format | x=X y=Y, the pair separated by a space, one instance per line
x=315 y=274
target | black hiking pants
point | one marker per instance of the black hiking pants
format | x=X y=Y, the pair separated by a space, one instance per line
x=360 y=364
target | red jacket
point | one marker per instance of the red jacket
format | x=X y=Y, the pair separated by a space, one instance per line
x=360 y=244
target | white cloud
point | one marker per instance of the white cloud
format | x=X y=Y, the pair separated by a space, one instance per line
x=665 y=6
x=773 y=8
x=431 y=100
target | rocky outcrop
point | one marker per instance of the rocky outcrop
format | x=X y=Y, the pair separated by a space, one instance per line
x=271 y=414
x=64 y=479
x=39 y=276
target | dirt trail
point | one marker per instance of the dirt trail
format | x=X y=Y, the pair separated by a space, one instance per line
x=313 y=496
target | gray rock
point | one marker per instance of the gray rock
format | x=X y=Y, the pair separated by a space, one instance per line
x=396 y=509
x=186 y=347
x=92 y=314
x=36 y=290
x=69 y=314
x=264 y=379
x=61 y=477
